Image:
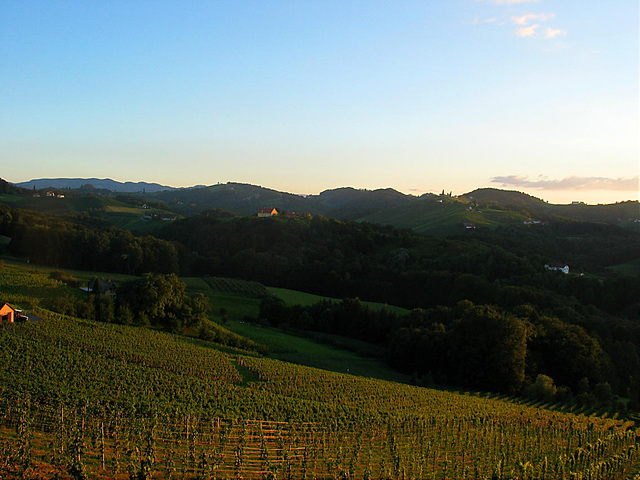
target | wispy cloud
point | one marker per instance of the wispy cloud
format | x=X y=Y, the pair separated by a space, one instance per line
x=529 y=31
x=570 y=183
x=525 y=19
x=552 y=33
x=528 y=24
x=477 y=21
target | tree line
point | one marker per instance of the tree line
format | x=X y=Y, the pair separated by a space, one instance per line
x=473 y=346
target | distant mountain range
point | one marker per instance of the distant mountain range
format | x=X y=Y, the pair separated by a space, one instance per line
x=429 y=214
x=97 y=183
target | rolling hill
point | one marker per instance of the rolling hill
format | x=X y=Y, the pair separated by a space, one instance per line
x=489 y=207
x=431 y=214
x=240 y=198
x=104 y=183
x=350 y=204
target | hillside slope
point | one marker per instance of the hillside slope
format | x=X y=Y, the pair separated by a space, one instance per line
x=103 y=401
x=241 y=198
x=489 y=207
x=349 y=203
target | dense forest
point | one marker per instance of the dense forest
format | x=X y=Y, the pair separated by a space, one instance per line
x=486 y=311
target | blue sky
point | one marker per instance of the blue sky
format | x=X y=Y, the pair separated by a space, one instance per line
x=302 y=96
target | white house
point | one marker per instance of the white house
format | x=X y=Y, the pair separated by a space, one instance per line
x=564 y=269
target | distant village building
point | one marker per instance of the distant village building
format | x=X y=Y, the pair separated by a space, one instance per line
x=564 y=269
x=267 y=212
x=469 y=225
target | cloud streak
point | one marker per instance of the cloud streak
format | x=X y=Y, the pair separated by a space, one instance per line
x=553 y=33
x=570 y=183
x=528 y=25
x=525 y=19
x=477 y=21
x=529 y=31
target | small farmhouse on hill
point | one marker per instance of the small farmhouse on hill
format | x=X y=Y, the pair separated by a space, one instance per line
x=267 y=212
x=7 y=313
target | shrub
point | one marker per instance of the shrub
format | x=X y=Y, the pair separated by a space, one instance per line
x=542 y=389
x=64 y=278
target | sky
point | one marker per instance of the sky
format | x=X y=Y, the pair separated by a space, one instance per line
x=538 y=96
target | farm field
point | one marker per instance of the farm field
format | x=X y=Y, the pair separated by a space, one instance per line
x=430 y=217
x=293 y=297
x=304 y=351
x=82 y=399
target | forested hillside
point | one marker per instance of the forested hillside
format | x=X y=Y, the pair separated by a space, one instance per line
x=431 y=214
x=498 y=275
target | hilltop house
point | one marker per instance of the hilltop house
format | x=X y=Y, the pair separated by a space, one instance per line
x=267 y=212
x=7 y=313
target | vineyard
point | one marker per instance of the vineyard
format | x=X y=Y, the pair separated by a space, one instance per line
x=86 y=400
x=70 y=443
x=81 y=399
x=232 y=285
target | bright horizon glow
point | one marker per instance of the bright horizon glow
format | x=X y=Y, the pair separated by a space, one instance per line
x=533 y=96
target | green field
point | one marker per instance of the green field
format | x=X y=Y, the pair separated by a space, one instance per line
x=293 y=297
x=237 y=306
x=629 y=268
x=448 y=217
x=303 y=351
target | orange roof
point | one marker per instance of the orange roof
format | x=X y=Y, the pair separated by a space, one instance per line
x=5 y=304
